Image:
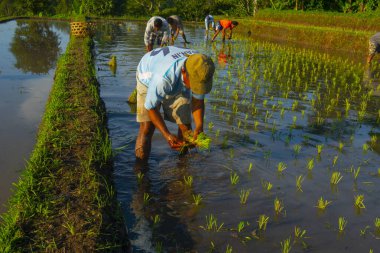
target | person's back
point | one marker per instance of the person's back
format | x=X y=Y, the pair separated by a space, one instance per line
x=157 y=28
x=225 y=23
x=376 y=38
x=177 y=21
x=374 y=46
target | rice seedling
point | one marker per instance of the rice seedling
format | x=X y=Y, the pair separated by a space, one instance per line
x=255 y=124
x=322 y=204
x=70 y=227
x=281 y=166
x=210 y=126
x=228 y=249
x=297 y=149
x=363 y=231
x=158 y=247
x=377 y=224
x=278 y=206
x=266 y=185
x=242 y=225
x=232 y=153
x=188 y=180
x=250 y=167
x=310 y=164
x=335 y=178
x=140 y=177
x=365 y=147
x=146 y=198
x=319 y=149
x=294 y=121
x=234 y=178
x=359 y=201
x=342 y=223
x=197 y=199
x=244 y=196
x=356 y=172
x=263 y=221
x=299 y=234
x=373 y=140
x=286 y=245
x=340 y=147
x=335 y=160
x=156 y=219
x=217 y=133
x=294 y=105
x=299 y=181
x=267 y=154
x=212 y=224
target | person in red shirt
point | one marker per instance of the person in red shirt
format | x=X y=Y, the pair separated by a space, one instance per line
x=223 y=25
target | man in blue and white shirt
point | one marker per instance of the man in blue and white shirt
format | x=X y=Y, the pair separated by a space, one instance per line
x=157 y=29
x=176 y=79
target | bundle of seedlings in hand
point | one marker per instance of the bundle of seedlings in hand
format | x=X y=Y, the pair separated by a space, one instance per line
x=202 y=141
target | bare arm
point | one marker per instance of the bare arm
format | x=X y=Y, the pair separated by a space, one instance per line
x=198 y=109
x=159 y=123
x=216 y=34
x=230 y=37
x=224 y=34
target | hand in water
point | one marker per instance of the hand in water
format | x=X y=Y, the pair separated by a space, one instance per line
x=174 y=142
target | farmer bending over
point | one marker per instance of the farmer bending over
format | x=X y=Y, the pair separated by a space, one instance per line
x=223 y=25
x=157 y=29
x=209 y=21
x=176 y=26
x=374 y=46
x=177 y=80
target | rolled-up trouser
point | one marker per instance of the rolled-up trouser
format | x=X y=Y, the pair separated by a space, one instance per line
x=176 y=109
x=373 y=48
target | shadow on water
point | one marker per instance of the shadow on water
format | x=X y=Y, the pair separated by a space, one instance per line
x=35 y=47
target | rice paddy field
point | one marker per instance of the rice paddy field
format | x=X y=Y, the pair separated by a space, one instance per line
x=294 y=162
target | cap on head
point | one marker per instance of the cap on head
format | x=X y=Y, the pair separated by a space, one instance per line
x=200 y=68
x=157 y=22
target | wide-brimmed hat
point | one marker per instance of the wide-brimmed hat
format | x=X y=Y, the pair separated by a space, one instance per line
x=200 y=68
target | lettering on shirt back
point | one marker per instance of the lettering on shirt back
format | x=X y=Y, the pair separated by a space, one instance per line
x=166 y=50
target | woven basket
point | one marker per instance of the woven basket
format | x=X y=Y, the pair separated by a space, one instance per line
x=79 y=29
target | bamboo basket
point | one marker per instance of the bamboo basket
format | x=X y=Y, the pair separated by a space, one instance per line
x=79 y=29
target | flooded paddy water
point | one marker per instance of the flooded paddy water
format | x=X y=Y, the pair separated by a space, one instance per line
x=289 y=127
x=28 y=54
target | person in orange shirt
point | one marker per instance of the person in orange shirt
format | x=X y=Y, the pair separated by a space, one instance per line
x=223 y=25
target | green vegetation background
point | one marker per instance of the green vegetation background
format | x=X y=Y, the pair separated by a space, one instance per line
x=194 y=10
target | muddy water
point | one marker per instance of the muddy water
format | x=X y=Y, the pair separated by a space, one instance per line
x=169 y=221
x=28 y=54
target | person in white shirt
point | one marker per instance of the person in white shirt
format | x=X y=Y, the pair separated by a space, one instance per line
x=157 y=29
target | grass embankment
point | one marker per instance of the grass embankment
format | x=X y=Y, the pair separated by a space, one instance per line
x=346 y=34
x=64 y=200
x=366 y=21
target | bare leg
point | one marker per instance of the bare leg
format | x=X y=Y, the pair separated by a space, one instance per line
x=144 y=141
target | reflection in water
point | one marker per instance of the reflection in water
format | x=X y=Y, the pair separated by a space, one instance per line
x=161 y=214
x=35 y=47
x=224 y=56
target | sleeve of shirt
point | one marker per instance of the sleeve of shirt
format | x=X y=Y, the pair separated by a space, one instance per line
x=156 y=93
x=199 y=97
x=147 y=35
